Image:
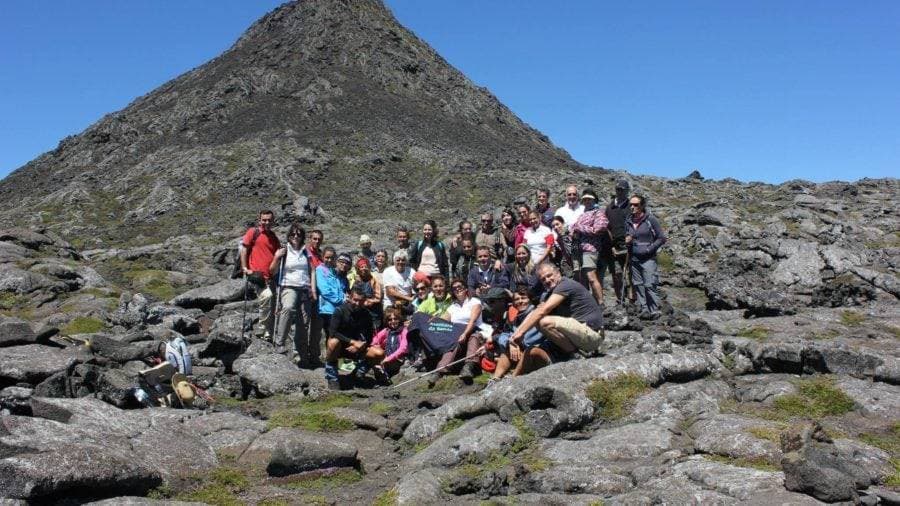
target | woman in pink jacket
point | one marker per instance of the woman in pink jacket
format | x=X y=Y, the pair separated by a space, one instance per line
x=391 y=339
x=589 y=230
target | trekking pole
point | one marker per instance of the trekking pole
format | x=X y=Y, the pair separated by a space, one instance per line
x=244 y=310
x=278 y=297
x=628 y=275
x=439 y=368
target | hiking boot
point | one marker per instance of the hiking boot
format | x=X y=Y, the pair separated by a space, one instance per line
x=418 y=364
x=362 y=368
x=334 y=384
x=468 y=373
x=433 y=380
x=380 y=376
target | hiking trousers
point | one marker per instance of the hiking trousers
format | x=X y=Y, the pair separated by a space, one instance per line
x=296 y=309
x=462 y=350
x=266 y=301
x=645 y=278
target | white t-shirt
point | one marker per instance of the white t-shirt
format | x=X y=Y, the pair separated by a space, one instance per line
x=296 y=268
x=569 y=214
x=401 y=281
x=461 y=313
x=537 y=241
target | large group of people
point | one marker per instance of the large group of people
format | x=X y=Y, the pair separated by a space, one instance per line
x=514 y=296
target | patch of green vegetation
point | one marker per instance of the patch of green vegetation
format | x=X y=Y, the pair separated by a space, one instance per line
x=482 y=379
x=386 y=498
x=890 y=329
x=729 y=362
x=162 y=492
x=83 y=325
x=767 y=433
x=894 y=479
x=665 y=261
x=889 y=441
x=152 y=282
x=757 y=332
x=219 y=488
x=451 y=425
x=614 y=397
x=228 y=402
x=273 y=501
x=758 y=464
x=852 y=318
x=313 y=414
x=339 y=478
x=381 y=408
x=9 y=300
x=526 y=435
x=445 y=384
x=816 y=397
x=534 y=462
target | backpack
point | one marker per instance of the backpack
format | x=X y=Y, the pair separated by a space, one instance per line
x=617 y=217
x=178 y=355
x=236 y=270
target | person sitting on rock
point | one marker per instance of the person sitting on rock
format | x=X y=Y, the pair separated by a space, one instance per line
x=298 y=293
x=429 y=255
x=569 y=316
x=257 y=251
x=535 y=351
x=464 y=310
x=644 y=236
x=362 y=277
x=349 y=336
x=485 y=275
x=398 y=281
x=522 y=272
x=392 y=340
x=438 y=301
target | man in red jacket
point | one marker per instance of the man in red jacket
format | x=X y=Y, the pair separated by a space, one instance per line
x=259 y=246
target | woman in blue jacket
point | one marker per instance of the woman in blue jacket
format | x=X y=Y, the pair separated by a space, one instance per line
x=331 y=283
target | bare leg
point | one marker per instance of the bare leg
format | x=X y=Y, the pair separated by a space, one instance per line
x=374 y=355
x=333 y=347
x=596 y=286
x=503 y=365
x=535 y=358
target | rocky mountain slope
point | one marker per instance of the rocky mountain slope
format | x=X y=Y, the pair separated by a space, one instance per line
x=771 y=377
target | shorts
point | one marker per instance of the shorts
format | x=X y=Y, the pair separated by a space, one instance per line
x=588 y=260
x=583 y=337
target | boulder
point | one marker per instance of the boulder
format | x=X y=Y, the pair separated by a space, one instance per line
x=267 y=375
x=226 y=433
x=15 y=332
x=473 y=441
x=206 y=297
x=284 y=451
x=32 y=363
x=16 y=401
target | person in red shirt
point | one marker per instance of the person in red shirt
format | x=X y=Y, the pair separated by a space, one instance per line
x=258 y=249
x=316 y=238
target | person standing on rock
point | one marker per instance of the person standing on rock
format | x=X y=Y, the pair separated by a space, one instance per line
x=615 y=251
x=258 y=249
x=489 y=236
x=297 y=284
x=570 y=213
x=590 y=231
x=568 y=315
x=402 y=238
x=350 y=332
x=508 y=234
x=466 y=259
x=364 y=278
x=562 y=253
x=539 y=239
x=524 y=222
x=314 y=250
x=331 y=281
x=430 y=254
x=365 y=249
x=543 y=207
x=645 y=236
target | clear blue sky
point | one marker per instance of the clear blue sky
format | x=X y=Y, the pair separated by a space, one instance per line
x=767 y=90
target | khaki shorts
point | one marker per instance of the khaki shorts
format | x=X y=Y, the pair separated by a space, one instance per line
x=583 y=337
x=589 y=260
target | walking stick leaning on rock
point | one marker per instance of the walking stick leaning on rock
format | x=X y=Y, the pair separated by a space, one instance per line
x=278 y=290
x=439 y=369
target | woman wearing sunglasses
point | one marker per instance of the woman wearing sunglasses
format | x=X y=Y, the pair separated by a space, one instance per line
x=464 y=310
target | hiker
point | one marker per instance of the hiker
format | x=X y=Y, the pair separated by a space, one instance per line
x=398 y=282
x=429 y=255
x=508 y=235
x=534 y=352
x=257 y=250
x=522 y=272
x=380 y=263
x=365 y=249
x=314 y=250
x=297 y=285
x=421 y=289
x=568 y=315
x=524 y=221
x=371 y=287
x=489 y=236
x=644 y=236
x=543 y=207
x=402 y=238
x=538 y=237
x=562 y=253
x=572 y=209
x=438 y=301
x=466 y=259
x=484 y=275
x=349 y=336
x=589 y=230
x=464 y=310
x=331 y=282
x=464 y=229
x=391 y=339
x=615 y=251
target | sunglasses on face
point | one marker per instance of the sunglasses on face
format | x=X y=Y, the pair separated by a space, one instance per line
x=458 y=288
x=420 y=288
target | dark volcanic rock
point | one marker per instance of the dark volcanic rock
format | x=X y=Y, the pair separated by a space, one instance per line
x=32 y=363
x=206 y=297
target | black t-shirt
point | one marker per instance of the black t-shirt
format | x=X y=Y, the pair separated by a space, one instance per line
x=577 y=303
x=348 y=324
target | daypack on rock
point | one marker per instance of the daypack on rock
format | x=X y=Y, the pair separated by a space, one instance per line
x=178 y=355
x=236 y=270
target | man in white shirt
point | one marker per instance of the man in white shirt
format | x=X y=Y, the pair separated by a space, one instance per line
x=569 y=213
x=398 y=280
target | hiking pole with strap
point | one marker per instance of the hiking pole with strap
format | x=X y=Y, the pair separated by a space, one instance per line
x=278 y=297
x=244 y=312
x=439 y=369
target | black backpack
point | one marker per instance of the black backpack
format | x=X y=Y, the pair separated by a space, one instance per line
x=617 y=217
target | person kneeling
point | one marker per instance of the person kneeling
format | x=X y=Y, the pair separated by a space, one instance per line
x=391 y=339
x=349 y=336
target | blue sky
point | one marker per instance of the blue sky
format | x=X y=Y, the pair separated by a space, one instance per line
x=769 y=90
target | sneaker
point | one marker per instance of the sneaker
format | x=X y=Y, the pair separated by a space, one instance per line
x=331 y=372
x=362 y=368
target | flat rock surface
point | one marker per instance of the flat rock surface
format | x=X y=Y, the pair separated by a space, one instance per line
x=32 y=363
